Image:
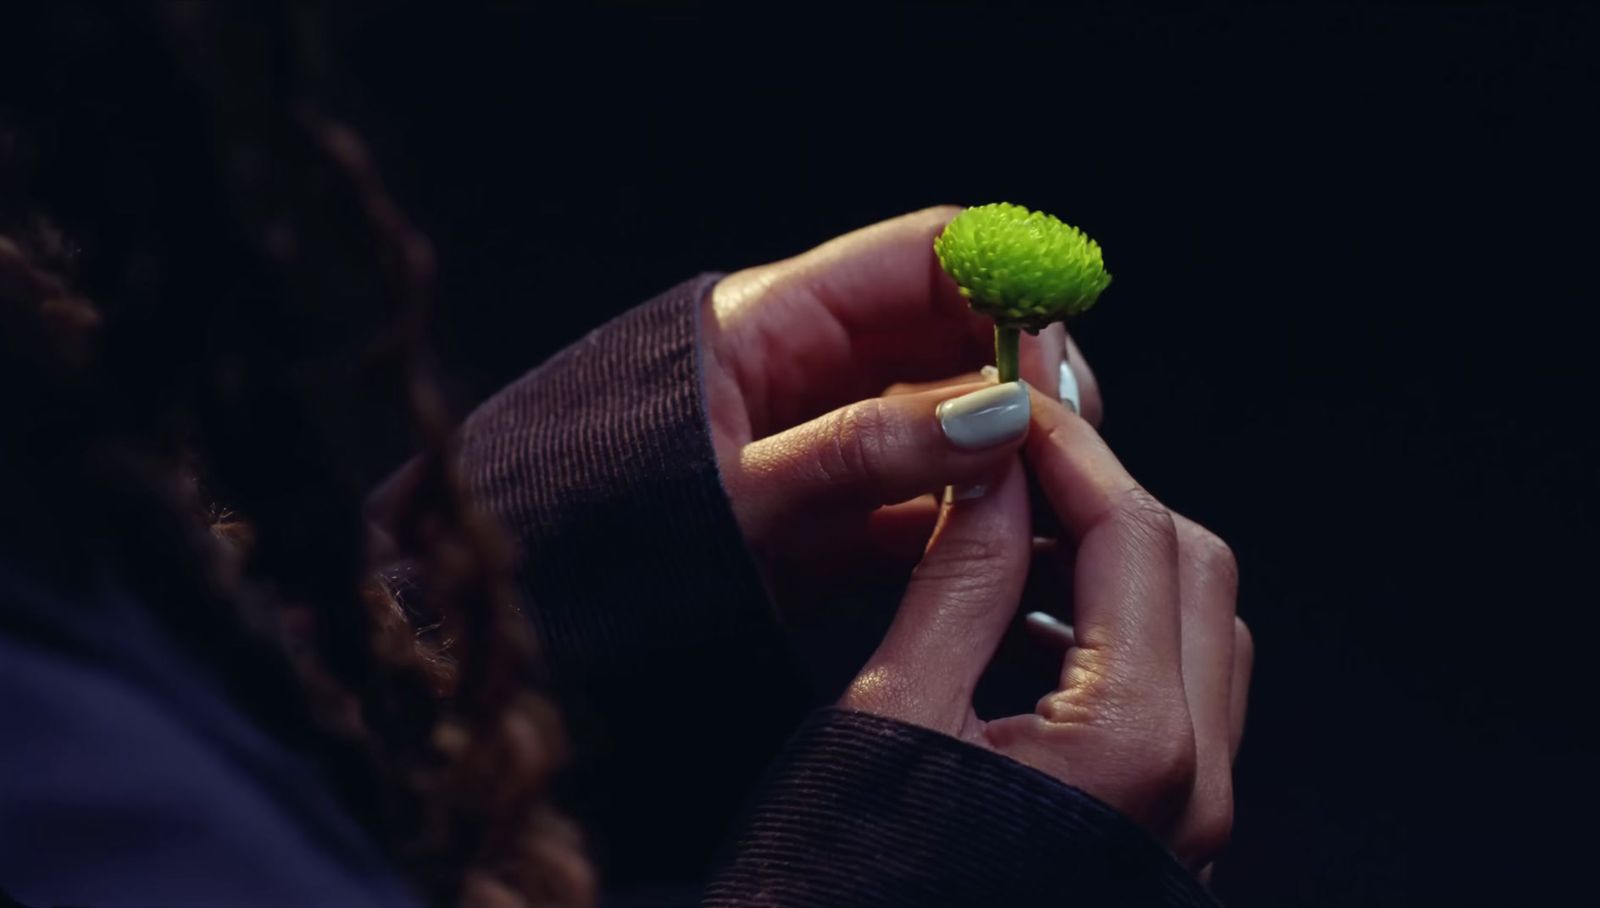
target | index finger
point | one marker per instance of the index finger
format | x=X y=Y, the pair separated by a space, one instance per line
x=866 y=310
x=877 y=278
x=1125 y=575
x=884 y=285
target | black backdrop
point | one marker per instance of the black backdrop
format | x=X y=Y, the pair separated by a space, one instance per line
x=1351 y=328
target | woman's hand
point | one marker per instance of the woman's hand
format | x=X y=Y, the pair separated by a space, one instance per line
x=1150 y=704
x=799 y=355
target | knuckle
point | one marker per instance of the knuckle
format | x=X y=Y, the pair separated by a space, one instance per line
x=1213 y=555
x=974 y=550
x=855 y=443
x=1054 y=439
x=1162 y=771
x=1210 y=828
x=1244 y=643
x=1145 y=518
x=965 y=563
x=1065 y=707
x=1170 y=761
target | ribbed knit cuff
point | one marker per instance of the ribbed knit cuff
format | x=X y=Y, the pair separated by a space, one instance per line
x=674 y=675
x=866 y=811
x=600 y=465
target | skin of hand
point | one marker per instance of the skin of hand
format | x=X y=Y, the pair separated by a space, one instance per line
x=823 y=372
x=1149 y=708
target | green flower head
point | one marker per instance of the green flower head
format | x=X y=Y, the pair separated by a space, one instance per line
x=1025 y=269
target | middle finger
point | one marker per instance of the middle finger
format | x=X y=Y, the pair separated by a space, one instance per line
x=1207 y=591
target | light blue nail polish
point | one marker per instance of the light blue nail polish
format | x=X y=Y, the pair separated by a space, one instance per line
x=985 y=418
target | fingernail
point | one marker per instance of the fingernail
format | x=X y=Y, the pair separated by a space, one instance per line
x=1067 y=389
x=1045 y=619
x=1048 y=623
x=990 y=372
x=987 y=417
x=953 y=494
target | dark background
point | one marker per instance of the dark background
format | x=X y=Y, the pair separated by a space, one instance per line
x=1351 y=329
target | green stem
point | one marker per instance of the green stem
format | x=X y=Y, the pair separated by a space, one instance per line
x=1006 y=341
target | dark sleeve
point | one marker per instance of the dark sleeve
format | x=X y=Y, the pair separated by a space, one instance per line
x=864 y=811
x=672 y=671
x=679 y=689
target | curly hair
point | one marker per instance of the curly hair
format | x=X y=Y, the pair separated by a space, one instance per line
x=193 y=254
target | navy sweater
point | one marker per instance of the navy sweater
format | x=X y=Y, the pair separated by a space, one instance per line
x=701 y=774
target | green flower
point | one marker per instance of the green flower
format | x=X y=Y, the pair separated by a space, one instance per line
x=1025 y=269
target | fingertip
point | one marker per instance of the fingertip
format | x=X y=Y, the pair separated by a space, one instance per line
x=941 y=212
x=990 y=417
x=1047 y=412
x=1041 y=356
x=1075 y=468
x=1050 y=631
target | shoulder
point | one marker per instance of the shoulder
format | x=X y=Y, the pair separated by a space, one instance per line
x=130 y=778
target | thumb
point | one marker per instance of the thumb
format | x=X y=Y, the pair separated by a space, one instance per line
x=877 y=452
x=957 y=607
